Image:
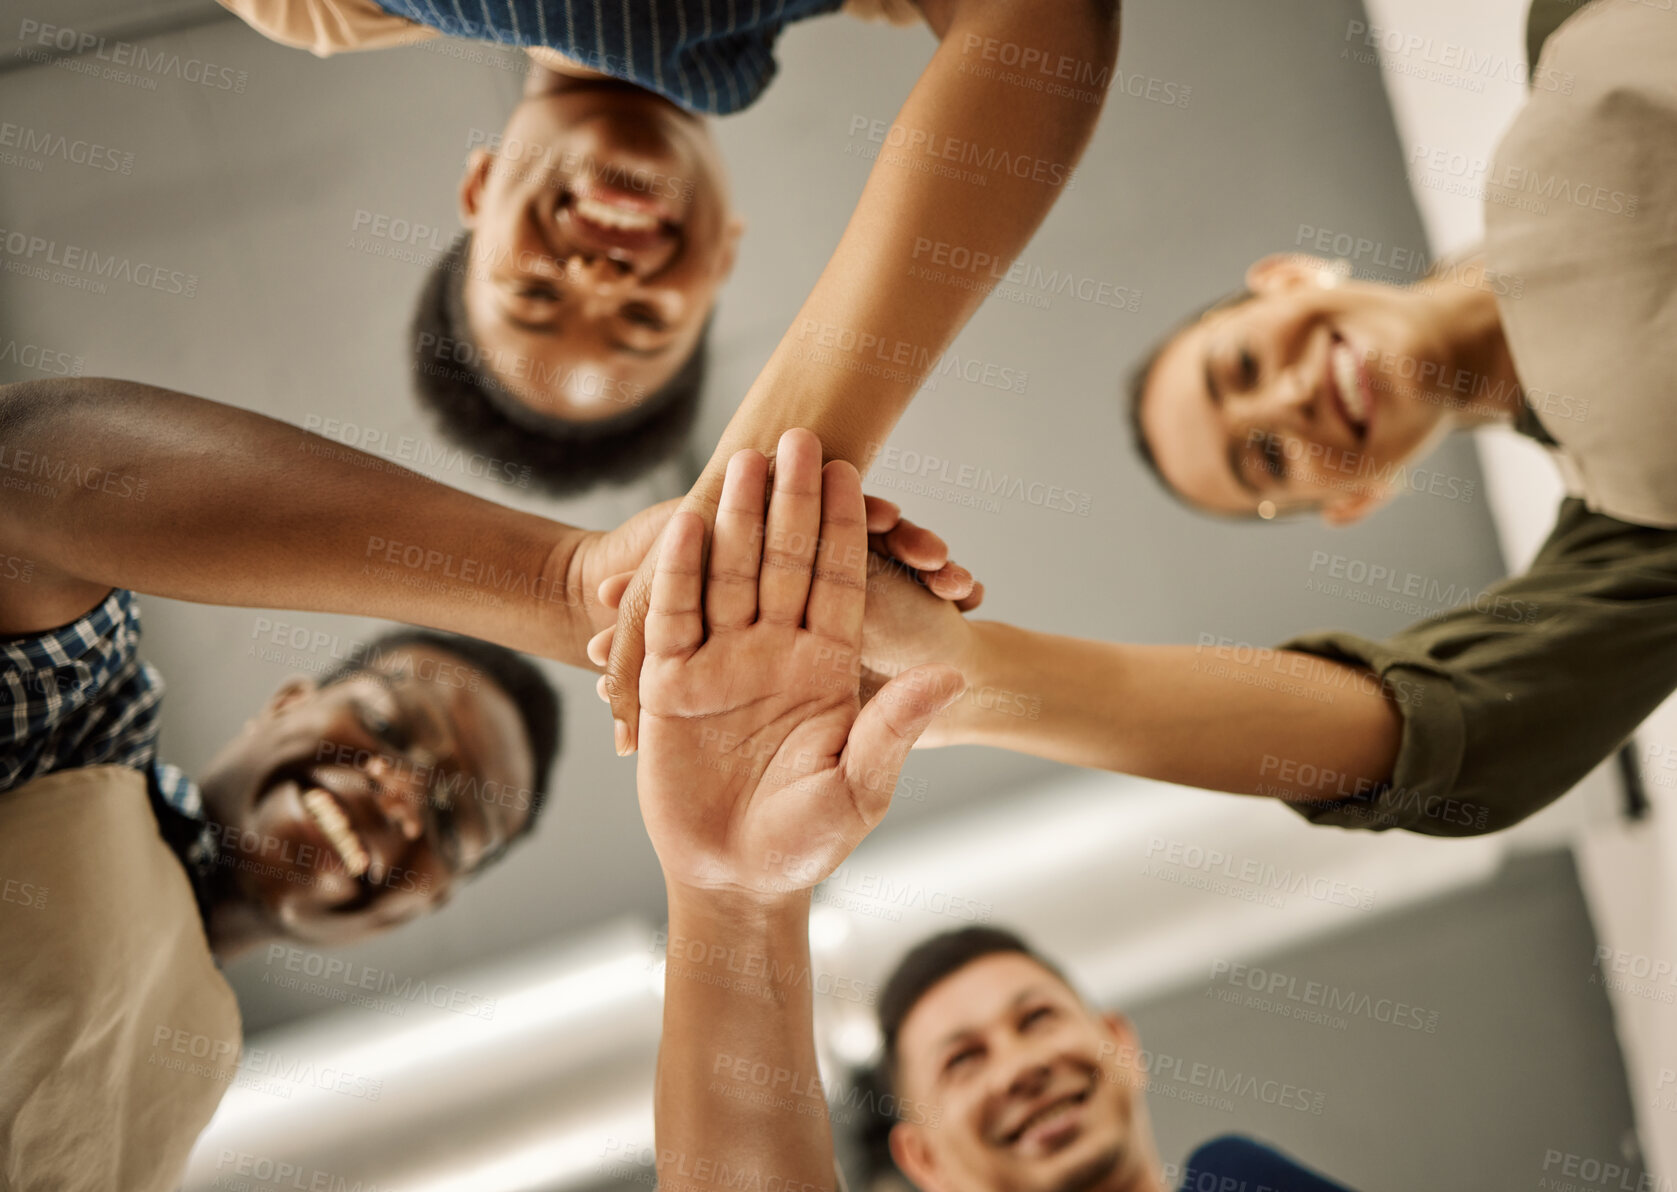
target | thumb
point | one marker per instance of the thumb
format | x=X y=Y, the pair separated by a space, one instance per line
x=887 y=729
x=623 y=670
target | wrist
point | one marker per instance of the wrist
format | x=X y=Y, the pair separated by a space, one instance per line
x=712 y=928
x=739 y=906
x=995 y=694
x=557 y=615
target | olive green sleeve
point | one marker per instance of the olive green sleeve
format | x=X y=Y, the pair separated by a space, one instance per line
x=1509 y=700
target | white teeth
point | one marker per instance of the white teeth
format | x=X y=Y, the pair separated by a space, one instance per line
x=335 y=824
x=1344 y=362
x=608 y=215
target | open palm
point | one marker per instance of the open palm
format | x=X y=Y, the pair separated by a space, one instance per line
x=758 y=769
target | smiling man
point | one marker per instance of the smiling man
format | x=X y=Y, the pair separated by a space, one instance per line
x=346 y=806
x=599 y=224
x=1014 y=1083
x=342 y=809
x=356 y=803
x=568 y=327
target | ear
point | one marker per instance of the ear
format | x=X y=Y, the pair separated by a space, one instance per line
x=1283 y=271
x=293 y=690
x=1118 y=1028
x=913 y=1155
x=1343 y=511
x=472 y=184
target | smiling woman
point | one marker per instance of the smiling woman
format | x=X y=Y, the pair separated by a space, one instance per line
x=1310 y=391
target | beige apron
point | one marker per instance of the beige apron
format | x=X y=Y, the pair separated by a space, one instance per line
x=1581 y=214
x=118 y=1036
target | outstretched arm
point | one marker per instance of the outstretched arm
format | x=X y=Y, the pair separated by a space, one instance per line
x=964 y=176
x=112 y=483
x=1215 y=715
x=758 y=773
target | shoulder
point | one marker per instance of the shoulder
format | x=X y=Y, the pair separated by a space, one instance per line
x=1236 y=1156
x=325 y=27
x=1607 y=48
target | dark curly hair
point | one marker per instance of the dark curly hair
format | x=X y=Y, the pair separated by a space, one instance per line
x=475 y=411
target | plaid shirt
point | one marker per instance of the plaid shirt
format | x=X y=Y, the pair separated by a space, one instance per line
x=80 y=696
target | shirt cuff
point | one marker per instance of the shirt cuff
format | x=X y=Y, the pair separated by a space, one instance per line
x=1420 y=796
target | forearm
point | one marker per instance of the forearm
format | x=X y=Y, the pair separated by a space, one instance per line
x=738 y=1090
x=127 y=485
x=963 y=178
x=1212 y=717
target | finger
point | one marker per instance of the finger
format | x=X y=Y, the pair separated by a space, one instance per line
x=915 y=546
x=839 y=590
x=612 y=588
x=628 y=651
x=736 y=545
x=792 y=528
x=886 y=730
x=599 y=647
x=600 y=690
x=949 y=582
x=882 y=514
x=972 y=601
x=674 y=624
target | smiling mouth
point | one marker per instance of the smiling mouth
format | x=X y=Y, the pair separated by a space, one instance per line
x=335 y=826
x=1046 y=1115
x=623 y=225
x=1346 y=386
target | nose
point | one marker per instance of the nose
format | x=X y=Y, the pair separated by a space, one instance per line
x=598 y=276
x=399 y=797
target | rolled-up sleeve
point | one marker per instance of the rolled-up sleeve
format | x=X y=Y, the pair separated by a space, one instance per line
x=1510 y=699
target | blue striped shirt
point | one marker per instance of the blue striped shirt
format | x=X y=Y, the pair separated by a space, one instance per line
x=712 y=56
x=80 y=696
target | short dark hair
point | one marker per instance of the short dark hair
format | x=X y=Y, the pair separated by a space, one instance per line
x=535 y=698
x=927 y=964
x=1141 y=376
x=470 y=406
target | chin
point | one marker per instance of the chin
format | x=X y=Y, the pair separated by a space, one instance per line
x=1090 y=1164
x=1095 y=1169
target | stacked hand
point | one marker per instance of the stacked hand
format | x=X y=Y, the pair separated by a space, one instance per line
x=759 y=769
x=622 y=651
